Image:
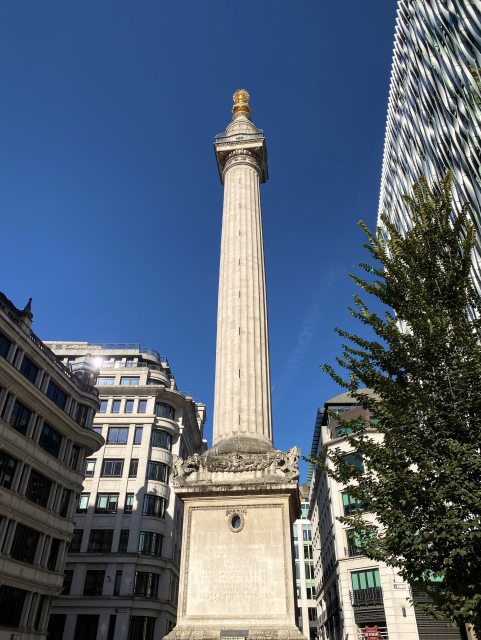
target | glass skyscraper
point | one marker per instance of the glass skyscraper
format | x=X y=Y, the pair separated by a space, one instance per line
x=434 y=114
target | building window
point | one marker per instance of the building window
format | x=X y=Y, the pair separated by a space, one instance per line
x=56 y=395
x=354 y=459
x=365 y=579
x=129 y=406
x=296 y=551
x=307 y=552
x=107 y=503
x=38 y=489
x=130 y=381
x=118 y=582
x=76 y=542
x=158 y=471
x=112 y=468
x=294 y=528
x=309 y=570
x=138 y=435
x=53 y=555
x=29 y=369
x=86 y=626
x=118 y=435
x=311 y=592
x=105 y=381
x=81 y=414
x=123 y=541
x=83 y=504
x=312 y=614
x=103 y=406
x=142 y=406
x=97 y=430
x=164 y=410
x=101 y=540
x=67 y=582
x=94 y=582
x=90 y=467
x=150 y=543
x=116 y=406
x=153 y=381
x=20 y=417
x=5 y=345
x=134 y=465
x=129 y=362
x=351 y=505
x=8 y=466
x=50 y=440
x=146 y=584
x=306 y=532
x=74 y=456
x=312 y=633
x=11 y=602
x=161 y=439
x=353 y=543
x=64 y=505
x=141 y=628
x=24 y=545
x=298 y=571
x=129 y=503
x=154 y=506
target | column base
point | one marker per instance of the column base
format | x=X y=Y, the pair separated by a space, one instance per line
x=216 y=633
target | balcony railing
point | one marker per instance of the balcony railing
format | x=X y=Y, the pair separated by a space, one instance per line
x=133 y=365
x=363 y=597
x=121 y=346
x=221 y=138
x=60 y=365
x=383 y=630
x=352 y=551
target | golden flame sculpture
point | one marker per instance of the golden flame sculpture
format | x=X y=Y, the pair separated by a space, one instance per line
x=241 y=102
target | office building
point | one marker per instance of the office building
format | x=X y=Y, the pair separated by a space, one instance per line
x=46 y=411
x=122 y=571
x=354 y=592
x=305 y=583
x=434 y=113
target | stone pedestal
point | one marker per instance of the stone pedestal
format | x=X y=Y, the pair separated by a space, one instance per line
x=237 y=574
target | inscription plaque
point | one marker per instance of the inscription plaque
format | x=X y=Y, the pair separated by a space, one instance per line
x=243 y=573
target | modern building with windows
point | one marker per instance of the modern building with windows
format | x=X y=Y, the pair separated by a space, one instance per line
x=305 y=583
x=352 y=591
x=434 y=113
x=122 y=571
x=46 y=411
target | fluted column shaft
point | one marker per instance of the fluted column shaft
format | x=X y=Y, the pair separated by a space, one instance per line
x=242 y=405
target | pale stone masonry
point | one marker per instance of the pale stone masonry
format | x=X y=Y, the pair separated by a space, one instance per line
x=242 y=404
x=122 y=571
x=241 y=496
x=46 y=412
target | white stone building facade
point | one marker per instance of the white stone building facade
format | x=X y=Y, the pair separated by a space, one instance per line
x=305 y=582
x=122 y=571
x=46 y=412
x=353 y=591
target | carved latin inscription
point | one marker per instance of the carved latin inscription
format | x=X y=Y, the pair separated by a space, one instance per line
x=243 y=572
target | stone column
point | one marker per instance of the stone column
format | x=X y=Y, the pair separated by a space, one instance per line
x=3 y=398
x=33 y=610
x=24 y=480
x=9 y=537
x=11 y=352
x=31 y=425
x=242 y=406
x=39 y=551
x=18 y=358
x=9 y=407
x=3 y=529
x=18 y=475
x=26 y=610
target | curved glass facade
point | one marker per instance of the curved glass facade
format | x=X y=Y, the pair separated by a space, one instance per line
x=434 y=114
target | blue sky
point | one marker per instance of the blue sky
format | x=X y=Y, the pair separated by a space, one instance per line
x=110 y=198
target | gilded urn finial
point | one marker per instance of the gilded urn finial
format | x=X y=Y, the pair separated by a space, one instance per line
x=241 y=102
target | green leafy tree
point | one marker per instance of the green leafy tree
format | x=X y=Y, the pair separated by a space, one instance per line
x=423 y=478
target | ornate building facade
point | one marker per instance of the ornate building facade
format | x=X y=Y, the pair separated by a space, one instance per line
x=46 y=414
x=434 y=113
x=122 y=571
